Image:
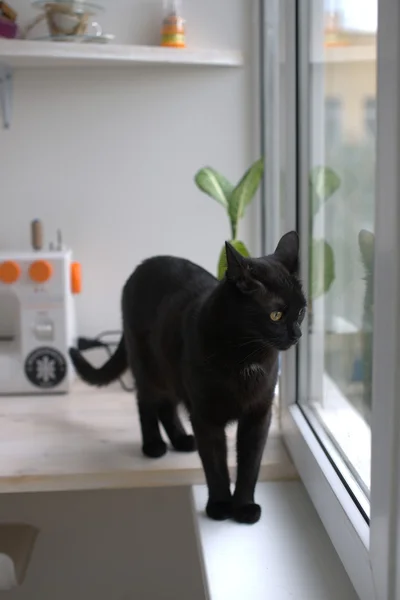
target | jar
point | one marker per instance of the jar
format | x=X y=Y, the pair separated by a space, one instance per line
x=173 y=25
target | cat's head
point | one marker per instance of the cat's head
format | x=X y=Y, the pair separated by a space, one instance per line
x=270 y=292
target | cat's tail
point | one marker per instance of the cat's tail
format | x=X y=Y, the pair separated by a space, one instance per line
x=110 y=371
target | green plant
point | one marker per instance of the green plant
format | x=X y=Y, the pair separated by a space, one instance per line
x=323 y=183
x=234 y=199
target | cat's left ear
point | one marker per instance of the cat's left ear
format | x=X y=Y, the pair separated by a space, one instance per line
x=238 y=271
x=287 y=252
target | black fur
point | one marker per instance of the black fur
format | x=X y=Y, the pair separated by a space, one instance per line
x=213 y=346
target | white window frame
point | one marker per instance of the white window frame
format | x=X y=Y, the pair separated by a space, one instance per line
x=369 y=552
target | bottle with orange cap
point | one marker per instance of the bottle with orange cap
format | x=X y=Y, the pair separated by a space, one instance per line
x=173 y=25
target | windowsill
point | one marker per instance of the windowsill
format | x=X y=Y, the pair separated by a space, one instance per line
x=286 y=556
x=346 y=427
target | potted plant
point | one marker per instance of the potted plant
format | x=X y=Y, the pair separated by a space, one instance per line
x=324 y=182
x=234 y=198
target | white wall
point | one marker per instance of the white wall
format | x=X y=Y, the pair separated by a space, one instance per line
x=109 y=155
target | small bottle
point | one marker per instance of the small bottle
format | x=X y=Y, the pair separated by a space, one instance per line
x=173 y=25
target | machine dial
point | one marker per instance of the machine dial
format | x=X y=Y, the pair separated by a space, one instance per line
x=10 y=271
x=40 y=271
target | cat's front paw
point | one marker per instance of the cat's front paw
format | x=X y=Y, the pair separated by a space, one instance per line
x=247 y=513
x=154 y=449
x=219 y=511
x=184 y=443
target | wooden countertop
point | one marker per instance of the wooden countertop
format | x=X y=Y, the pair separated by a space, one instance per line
x=90 y=439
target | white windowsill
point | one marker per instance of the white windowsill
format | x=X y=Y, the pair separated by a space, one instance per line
x=286 y=556
x=347 y=427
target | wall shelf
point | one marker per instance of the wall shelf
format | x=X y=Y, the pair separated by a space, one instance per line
x=26 y=54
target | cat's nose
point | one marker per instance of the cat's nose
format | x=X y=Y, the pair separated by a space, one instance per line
x=297 y=331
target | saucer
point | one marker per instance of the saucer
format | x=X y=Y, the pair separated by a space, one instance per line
x=104 y=38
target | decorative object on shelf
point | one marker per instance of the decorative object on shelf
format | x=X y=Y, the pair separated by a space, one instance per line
x=173 y=25
x=69 y=21
x=8 y=17
x=37 y=320
x=8 y=29
x=233 y=198
x=7 y=11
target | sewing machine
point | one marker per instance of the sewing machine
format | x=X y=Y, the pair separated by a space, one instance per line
x=37 y=320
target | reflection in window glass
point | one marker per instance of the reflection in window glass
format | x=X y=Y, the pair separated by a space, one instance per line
x=370 y=116
x=333 y=122
x=342 y=92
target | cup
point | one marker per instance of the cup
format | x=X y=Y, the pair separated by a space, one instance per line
x=63 y=22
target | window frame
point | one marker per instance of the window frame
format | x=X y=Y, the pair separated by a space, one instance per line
x=370 y=553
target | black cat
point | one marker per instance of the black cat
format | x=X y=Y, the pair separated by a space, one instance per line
x=213 y=346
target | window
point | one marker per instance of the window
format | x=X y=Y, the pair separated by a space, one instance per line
x=333 y=122
x=335 y=129
x=337 y=363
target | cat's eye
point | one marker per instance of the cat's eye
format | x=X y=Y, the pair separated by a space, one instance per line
x=276 y=315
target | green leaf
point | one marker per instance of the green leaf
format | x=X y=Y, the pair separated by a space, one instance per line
x=245 y=191
x=222 y=264
x=215 y=185
x=322 y=268
x=324 y=182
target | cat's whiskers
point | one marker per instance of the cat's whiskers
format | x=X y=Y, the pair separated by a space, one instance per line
x=253 y=354
x=231 y=345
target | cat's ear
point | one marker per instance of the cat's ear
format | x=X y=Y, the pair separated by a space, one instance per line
x=287 y=251
x=236 y=263
x=238 y=271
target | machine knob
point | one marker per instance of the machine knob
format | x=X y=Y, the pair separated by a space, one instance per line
x=10 y=271
x=40 y=271
x=76 y=278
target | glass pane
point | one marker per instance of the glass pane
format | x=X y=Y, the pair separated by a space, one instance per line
x=342 y=130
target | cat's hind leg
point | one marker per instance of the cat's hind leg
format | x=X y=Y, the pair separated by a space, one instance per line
x=169 y=417
x=153 y=445
x=143 y=369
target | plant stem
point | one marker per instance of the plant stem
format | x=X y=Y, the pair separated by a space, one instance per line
x=233 y=230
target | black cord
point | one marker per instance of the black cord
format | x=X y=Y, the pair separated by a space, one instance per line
x=84 y=344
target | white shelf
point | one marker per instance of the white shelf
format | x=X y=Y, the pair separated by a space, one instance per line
x=26 y=54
